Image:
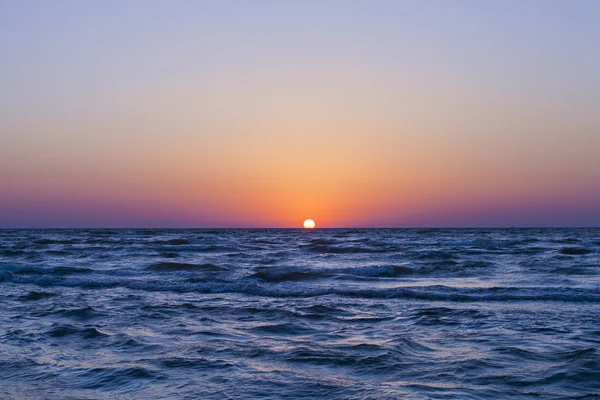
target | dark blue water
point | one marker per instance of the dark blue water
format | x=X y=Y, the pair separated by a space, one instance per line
x=408 y=314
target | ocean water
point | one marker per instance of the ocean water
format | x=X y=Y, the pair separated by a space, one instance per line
x=339 y=314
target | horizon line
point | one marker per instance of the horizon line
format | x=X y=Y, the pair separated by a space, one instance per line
x=301 y=228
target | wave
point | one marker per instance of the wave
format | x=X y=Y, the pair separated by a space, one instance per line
x=195 y=362
x=70 y=330
x=13 y=253
x=169 y=254
x=85 y=313
x=441 y=267
x=284 y=274
x=552 y=355
x=26 y=269
x=34 y=296
x=113 y=378
x=347 y=249
x=53 y=241
x=179 y=246
x=436 y=255
x=102 y=232
x=575 y=251
x=284 y=329
x=172 y=267
x=292 y=289
x=174 y=242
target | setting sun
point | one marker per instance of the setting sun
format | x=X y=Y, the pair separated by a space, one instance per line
x=309 y=224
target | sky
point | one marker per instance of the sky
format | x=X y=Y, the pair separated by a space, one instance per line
x=145 y=113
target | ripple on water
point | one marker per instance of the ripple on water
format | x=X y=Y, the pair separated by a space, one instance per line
x=291 y=314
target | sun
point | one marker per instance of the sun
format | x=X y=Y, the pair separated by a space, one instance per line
x=309 y=224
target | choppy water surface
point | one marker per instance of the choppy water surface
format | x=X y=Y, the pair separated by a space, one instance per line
x=415 y=314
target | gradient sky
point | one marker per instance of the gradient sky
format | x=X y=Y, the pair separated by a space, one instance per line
x=264 y=113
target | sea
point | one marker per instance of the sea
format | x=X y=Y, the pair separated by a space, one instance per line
x=300 y=314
